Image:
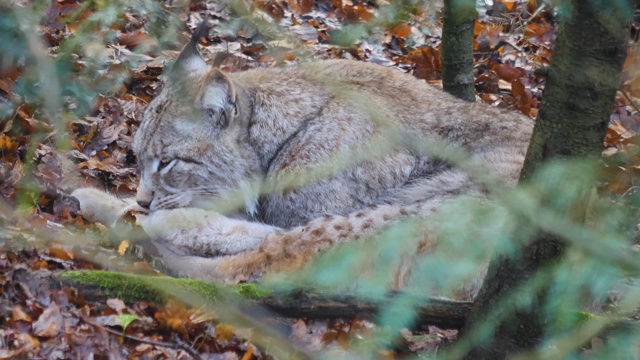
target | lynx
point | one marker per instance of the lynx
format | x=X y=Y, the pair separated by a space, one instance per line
x=321 y=153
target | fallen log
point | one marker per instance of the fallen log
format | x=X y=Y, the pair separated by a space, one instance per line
x=301 y=303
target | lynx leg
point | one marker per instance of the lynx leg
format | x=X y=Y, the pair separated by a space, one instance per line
x=196 y=267
x=192 y=231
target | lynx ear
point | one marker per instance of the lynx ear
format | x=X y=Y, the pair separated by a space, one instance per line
x=219 y=99
x=190 y=61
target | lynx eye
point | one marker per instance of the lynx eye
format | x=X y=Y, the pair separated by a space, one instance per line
x=163 y=166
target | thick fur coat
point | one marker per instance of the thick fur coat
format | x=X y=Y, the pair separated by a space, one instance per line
x=302 y=158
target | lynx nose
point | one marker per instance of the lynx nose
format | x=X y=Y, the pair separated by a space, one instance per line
x=144 y=199
x=144 y=203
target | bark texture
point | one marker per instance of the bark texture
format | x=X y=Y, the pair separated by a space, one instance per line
x=443 y=313
x=457 y=48
x=581 y=85
x=582 y=82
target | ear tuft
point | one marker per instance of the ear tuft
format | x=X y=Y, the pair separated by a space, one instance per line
x=190 y=60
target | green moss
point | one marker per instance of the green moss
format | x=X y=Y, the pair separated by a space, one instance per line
x=250 y=291
x=583 y=316
x=132 y=288
x=156 y=289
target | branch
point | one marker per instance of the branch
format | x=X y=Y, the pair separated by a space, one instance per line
x=447 y=314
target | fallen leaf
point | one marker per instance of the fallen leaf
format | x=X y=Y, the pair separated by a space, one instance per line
x=122 y=248
x=58 y=251
x=50 y=322
x=224 y=332
x=18 y=314
x=401 y=30
x=508 y=72
x=300 y=7
x=247 y=355
x=299 y=330
x=126 y=319
x=116 y=304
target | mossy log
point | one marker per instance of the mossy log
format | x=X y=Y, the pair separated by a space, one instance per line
x=101 y=285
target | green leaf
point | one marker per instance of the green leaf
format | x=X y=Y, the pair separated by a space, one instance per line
x=126 y=319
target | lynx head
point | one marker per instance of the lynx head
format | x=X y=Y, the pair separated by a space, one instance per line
x=192 y=143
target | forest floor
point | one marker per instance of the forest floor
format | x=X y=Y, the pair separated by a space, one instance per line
x=42 y=232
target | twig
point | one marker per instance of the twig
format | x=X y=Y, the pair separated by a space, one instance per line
x=504 y=42
x=179 y=345
x=626 y=96
x=535 y=13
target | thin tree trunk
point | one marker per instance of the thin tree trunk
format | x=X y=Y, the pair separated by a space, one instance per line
x=581 y=85
x=457 y=48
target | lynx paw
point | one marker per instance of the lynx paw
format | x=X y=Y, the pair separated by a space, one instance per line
x=99 y=206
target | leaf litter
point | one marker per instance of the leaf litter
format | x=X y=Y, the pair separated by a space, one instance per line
x=42 y=231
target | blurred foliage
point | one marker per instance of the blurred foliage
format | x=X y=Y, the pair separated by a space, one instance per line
x=83 y=57
x=74 y=62
x=599 y=268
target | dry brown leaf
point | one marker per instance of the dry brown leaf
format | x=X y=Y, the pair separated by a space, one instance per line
x=300 y=7
x=8 y=145
x=299 y=330
x=116 y=304
x=517 y=88
x=26 y=342
x=59 y=252
x=174 y=316
x=401 y=30
x=50 y=322
x=247 y=355
x=329 y=336
x=343 y=339
x=134 y=39
x=508 y=72
x=356 y=13
x=274 y=9
x=122 y=248
x=224 y=332
x=18 y=314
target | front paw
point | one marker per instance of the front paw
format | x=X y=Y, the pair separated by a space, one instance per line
x=185 y=231
x=170 y=223
x=98 y=206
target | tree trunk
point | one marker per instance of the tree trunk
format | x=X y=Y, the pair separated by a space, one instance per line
x=457 y=48
x=581 y=85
